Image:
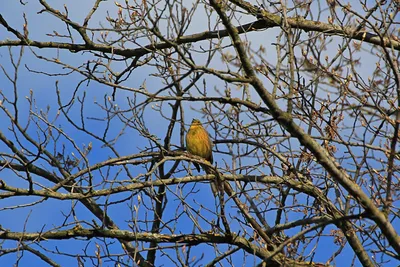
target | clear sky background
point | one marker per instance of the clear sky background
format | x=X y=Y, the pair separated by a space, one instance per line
x=45 y=216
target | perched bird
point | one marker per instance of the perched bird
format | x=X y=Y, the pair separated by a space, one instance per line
x=198 y=143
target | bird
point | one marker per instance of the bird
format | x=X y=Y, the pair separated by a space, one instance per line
x=198 y=143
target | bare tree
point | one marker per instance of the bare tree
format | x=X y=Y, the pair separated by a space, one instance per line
x=300 y=98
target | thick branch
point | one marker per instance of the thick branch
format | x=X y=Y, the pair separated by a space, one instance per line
x=268 y=20
x=189 y=239
x=286 y=120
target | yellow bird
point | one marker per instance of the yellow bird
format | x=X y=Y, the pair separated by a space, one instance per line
x=198 y=143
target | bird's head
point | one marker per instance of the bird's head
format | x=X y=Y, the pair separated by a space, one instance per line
x=196 y=122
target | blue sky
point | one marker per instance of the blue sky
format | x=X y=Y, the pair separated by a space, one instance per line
x=50 y=213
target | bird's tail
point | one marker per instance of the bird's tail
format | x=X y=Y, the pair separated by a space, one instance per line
x=213 y=184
